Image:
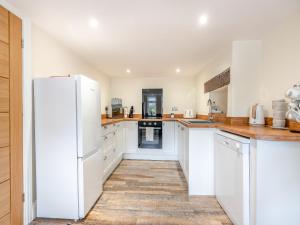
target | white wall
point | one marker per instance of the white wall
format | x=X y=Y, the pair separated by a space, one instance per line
x=220 y=97
x=245 y=71
x=50 y=58
x=177 y=91
x=261 y=70
x=280 y=63
x=218 y=64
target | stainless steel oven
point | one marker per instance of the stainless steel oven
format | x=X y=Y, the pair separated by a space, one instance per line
x=150 y=134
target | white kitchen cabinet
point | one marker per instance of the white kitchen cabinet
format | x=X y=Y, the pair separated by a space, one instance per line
x=169 y=137
x=182 y=148
x=274 y=182
x=179 y=144
x=185 y=147
x=201 y=161
x=131 y=136
x=196 y=158
x=176 y=138
x=120 y=146
x=112 y=147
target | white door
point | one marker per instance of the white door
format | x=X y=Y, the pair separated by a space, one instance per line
x=88 y=115
x=119 y=139
x=176 y=138
x=180 y=146
x=131 y=137
x=168 y=137
x=90 y=173
x=186 y=152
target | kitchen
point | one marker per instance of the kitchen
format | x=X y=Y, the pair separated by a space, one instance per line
x=200 y=127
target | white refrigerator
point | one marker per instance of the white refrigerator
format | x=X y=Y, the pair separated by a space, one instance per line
x=67 y=146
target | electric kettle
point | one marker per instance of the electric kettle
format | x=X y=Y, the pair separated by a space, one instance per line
x=257 y=115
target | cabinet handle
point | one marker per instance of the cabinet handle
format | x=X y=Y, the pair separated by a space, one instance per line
x=105 y=138
x=114 y=150
x=105 y=158
x=182 y=128
x=114 y=133
x=225 y=143
x=105 y=127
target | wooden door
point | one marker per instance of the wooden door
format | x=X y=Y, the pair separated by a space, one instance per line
x=11 y=173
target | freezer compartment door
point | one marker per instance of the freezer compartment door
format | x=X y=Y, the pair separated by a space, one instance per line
x=90 y=181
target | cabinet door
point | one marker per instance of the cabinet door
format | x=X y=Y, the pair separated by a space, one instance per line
x=180 y=146
x=186 y=152
x=131 y=137
x=176 y=138
x=119 y=139
x=168 y=137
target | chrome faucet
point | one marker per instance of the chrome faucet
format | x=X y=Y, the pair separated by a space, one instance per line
x=210 y=115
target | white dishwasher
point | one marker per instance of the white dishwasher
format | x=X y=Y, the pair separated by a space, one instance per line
x=232 y=176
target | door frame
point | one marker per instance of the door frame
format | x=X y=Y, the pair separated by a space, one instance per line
x=29 y=209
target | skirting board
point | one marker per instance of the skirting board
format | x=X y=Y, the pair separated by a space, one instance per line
x=149 y=157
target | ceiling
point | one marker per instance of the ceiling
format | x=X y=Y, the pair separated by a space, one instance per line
x=154 y=37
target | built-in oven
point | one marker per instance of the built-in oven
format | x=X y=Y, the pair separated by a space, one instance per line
x=150 y=134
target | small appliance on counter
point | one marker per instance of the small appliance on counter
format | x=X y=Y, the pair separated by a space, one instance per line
x=125 y=109
x=279 y=111
x=116 y=108
x=131 y=112
x=294 y=107
x=257 y=115
x=188 y=114
x=174 y=109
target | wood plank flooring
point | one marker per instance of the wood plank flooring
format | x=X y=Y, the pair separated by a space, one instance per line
x=149 y=193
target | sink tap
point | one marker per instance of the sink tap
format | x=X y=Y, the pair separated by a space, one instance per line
x=210 y=115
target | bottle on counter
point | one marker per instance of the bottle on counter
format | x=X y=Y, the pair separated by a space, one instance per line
x=131 y=112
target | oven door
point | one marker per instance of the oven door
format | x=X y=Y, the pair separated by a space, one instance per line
x=152 y=143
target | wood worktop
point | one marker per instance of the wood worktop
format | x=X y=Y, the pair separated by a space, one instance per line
x=259 y=133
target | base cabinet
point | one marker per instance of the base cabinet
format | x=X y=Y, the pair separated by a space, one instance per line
x=132 y=151
x=168 y=137
x=274 y=182
x=112 y=147
x=196 y=158
x=131 y=136
x=182 y=148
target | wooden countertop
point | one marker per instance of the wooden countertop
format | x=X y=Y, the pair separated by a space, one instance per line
x=259 y=133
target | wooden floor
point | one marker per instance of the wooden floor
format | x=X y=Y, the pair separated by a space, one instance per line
x=149 y=193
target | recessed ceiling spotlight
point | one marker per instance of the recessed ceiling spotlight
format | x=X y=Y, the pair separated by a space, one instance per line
x=94 y=23
x=128 y=71
x=178 y=70
x=203 y=19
